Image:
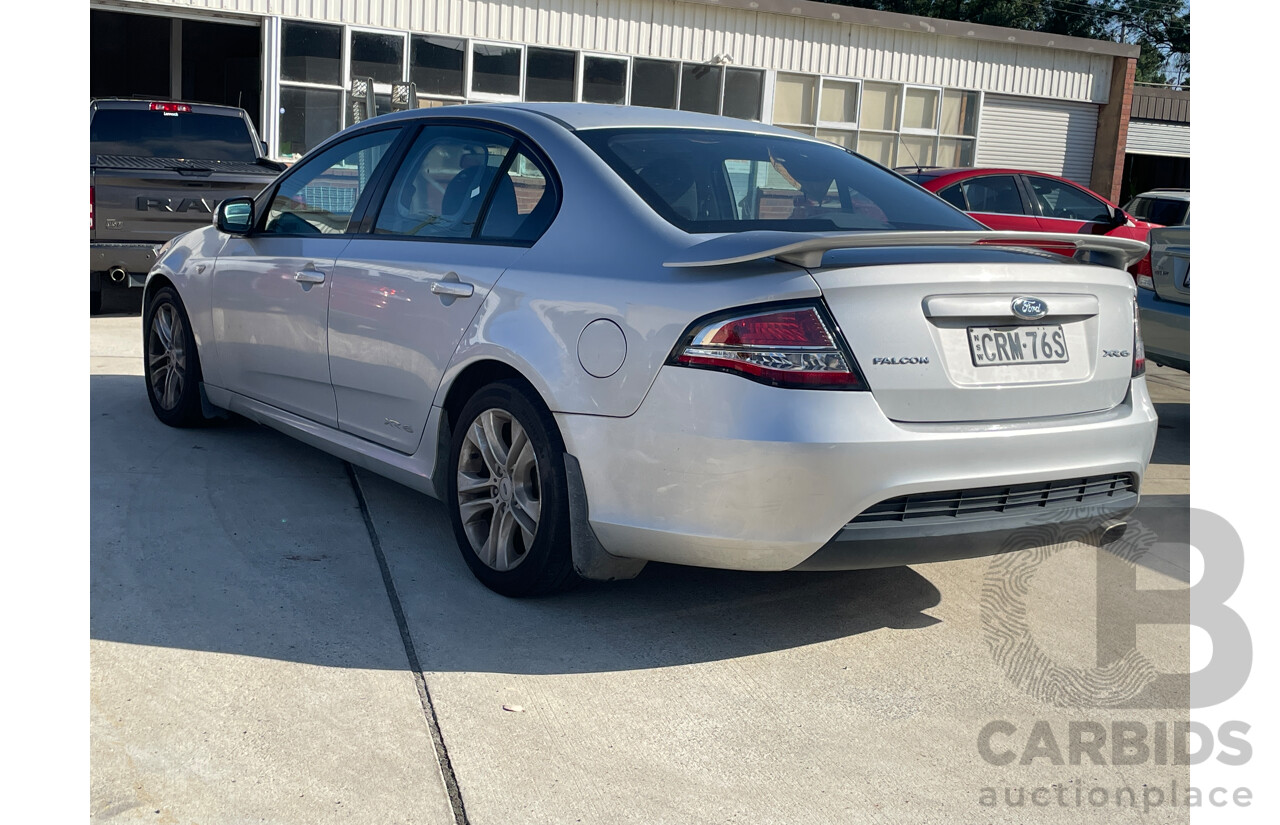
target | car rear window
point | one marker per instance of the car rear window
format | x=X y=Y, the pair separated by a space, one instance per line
x=1159 y=210
x=723 y=181
x=192 y=135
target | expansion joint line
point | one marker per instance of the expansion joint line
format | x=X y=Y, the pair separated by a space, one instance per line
x=424 y=695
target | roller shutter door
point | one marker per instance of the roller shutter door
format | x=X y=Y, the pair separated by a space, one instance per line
x=1148 y=137
x=1044 y=135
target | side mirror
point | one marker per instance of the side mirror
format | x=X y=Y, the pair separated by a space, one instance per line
x=234 y=216
x=1118 y=216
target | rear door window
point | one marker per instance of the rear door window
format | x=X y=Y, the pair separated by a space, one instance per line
x=994 y=194
x=1066 y=202
x=443 y=183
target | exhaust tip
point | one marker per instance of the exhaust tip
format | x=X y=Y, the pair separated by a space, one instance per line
x=117 y=275
x=1112 y=534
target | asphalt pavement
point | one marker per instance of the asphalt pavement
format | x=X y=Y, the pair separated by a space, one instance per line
x=276 y=637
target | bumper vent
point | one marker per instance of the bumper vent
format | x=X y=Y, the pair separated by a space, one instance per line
x=1017 y=498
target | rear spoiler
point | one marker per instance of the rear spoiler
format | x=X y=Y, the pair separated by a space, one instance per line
x=806 y=248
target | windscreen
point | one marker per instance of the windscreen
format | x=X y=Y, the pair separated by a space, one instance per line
x=1159 y=210
x=721 y=181
x=144 y=133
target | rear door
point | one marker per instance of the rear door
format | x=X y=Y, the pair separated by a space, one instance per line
x=271 y=288
x=996 y=200
x=1066 y=208
x=463 y=206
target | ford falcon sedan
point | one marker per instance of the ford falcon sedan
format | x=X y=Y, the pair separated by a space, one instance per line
x=610 y=335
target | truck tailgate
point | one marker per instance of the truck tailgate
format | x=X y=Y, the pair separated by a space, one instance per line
x=149 y=200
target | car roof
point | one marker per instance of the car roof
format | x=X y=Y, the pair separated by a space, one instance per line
x=1167 y=194
x=584 y=116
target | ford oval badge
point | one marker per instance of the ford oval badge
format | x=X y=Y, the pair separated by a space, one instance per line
x=1029 y=308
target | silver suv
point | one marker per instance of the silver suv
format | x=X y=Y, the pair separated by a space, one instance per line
x=1167 y=207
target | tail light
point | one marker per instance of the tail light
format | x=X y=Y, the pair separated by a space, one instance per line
x=795 y=346
x=1141 y=272
x=1139 y=351
x=90 y=208
x=170 y=107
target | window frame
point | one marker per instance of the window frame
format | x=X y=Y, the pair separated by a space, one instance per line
x=520 y=143
x=493 y=97
x=581 y=79
x=262 y=204
x=1035 y=200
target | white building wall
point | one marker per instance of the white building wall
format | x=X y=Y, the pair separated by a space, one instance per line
x=698 y=32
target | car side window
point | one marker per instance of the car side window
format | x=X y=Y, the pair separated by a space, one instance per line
x=954 y=195
x=443 y=183
x=319 y=198
x=1062 y=200
x=522 y=205
x=997 y=194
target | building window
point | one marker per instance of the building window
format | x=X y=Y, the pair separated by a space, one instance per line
x=743 y=93
x=550 y=74
x=311 y=85
x=654 y=83
x=495 y=70
x=958 y=128
x=307 y=116
x=311 y=54
x=700 y=88
x=379 y=56
x=604 y=79
x=820 y=106
x=437 y=65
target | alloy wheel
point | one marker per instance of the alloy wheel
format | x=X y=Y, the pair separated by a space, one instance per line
x=167 y=356
x=499 y=497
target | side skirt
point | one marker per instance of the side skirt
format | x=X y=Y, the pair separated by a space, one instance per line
x=413 y=471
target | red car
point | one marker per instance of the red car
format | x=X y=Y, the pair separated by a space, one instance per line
x=1017 y=199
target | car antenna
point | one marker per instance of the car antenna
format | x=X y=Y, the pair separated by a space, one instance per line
x=914 y=162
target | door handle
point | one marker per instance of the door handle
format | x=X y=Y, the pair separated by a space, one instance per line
x=309 y=276
x=452 y=289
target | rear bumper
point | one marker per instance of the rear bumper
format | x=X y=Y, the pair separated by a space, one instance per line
x=856 y=547
x=134 y=258
x=717 y=471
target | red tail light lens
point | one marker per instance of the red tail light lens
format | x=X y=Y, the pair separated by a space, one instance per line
x=1139 y=351
x=793 y=346
x=170 y=107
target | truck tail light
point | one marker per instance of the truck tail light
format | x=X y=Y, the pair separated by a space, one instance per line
x=170 y=107
x=795 y=346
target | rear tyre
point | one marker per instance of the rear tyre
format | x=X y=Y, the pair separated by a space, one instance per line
x=171 y=363
x=507 y=493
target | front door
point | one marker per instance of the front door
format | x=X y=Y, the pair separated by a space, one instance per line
x=271 y=288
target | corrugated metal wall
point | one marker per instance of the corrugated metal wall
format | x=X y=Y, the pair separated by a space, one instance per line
x=1151 y=138
x=698 y=32
x=1044 y=135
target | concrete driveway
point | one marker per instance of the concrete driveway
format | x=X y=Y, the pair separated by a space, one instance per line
x=277 y=638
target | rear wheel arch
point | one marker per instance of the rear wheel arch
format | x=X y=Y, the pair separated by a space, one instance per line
x=462 y=387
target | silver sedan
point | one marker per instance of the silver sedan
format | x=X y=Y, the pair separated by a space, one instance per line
x=607 y=335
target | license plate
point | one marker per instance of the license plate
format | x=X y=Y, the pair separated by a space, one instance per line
x=1000 y=346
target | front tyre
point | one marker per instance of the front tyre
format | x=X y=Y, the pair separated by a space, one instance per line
x=170 y=361
x=507 y=493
